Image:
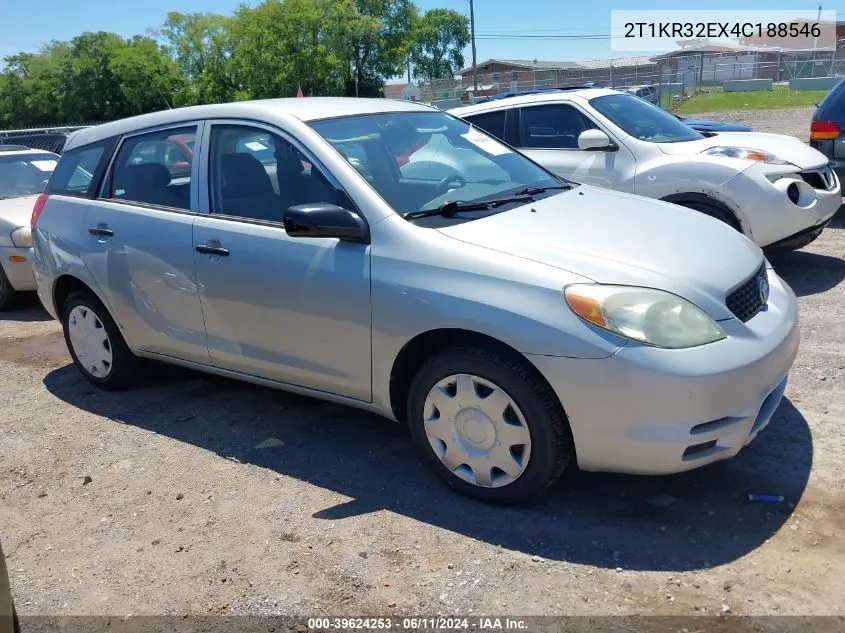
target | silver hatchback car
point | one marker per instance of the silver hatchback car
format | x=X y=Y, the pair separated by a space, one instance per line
x=514 y=320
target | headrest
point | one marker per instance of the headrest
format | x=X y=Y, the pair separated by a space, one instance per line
x=145 y=176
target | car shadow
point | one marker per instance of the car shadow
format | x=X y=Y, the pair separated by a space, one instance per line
x=29 y=310
x=808 y=273
x=689 y=521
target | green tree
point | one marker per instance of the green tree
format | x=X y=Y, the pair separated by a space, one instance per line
x=437 y=44
x=278 y=46
x=147 y=76
x=200 y=45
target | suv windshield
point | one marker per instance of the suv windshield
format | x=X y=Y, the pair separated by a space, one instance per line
x=25 y=174
x=643 y=120
x=421 y=161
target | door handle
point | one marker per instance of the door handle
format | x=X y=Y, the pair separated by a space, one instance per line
x=101 y=231
x=212 y=250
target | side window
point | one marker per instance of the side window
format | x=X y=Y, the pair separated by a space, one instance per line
x=147 y=170
x=77 y=173
x=491 y=122
x=258 y=175
x=555 y=126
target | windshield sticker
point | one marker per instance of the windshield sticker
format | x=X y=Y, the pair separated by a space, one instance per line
x=44 y=165
x=255 y=146
x=486 y=143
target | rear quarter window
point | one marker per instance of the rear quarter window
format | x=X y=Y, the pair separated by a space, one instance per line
x=832 y=107
x=80 y=170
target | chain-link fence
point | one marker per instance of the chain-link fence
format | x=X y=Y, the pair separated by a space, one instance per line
x=664 y=79
x=51 y=138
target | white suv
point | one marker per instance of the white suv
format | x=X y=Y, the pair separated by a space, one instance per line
x=775 y=189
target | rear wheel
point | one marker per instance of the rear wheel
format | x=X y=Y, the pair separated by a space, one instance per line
x=9 y=297
x=488 y=425
x=95 y=343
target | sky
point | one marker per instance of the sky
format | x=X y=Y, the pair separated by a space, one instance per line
x=505 y=29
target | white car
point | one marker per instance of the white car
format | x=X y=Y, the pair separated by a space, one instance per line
x=775 y=189
x=23 y=174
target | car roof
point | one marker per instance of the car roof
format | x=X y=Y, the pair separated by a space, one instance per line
x=21 y=150
x=302 y=108
x=543 y=97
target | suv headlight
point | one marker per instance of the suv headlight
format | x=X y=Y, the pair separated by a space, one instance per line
x=650 y=316
x=22 y=237
x=745 y=153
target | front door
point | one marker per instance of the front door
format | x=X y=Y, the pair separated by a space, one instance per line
x=138 y=247
x=549 y=135
x=295 y=310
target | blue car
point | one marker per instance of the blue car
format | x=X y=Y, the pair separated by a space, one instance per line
x=704 y=125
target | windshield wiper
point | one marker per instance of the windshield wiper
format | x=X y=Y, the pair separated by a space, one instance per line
x=533 y=191
x=448 y=209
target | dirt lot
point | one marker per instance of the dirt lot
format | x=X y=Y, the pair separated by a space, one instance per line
x=211 y=496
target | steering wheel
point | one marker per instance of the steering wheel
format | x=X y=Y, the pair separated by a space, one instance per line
x=443 y=185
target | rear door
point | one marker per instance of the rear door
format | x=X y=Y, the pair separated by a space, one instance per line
x=138 y=246
x=548 y=133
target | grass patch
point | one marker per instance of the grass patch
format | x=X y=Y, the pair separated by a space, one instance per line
x=779 y=98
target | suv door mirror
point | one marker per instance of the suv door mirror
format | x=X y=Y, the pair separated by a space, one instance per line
x=326 y=220
x=597 y=141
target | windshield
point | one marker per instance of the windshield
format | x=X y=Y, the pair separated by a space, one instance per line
x=25 y=174
x=643 y=120
x=419 y=161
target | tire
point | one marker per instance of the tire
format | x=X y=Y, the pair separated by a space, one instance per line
x=87 y=325
x=533 y=411
x=714 y=212
x=9 y=297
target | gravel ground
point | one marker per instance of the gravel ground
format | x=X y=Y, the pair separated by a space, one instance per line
x=195 y=495
x=793 y=122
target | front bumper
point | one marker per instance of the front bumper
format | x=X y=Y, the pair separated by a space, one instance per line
x=769 y=214
x=18 y=272
x=801 y=238
x=646 y=410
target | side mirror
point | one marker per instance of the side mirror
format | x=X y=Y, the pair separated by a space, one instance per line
x=326 y=220
x=597 y=141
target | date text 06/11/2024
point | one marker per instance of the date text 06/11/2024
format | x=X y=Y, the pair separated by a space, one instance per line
x=417 y=624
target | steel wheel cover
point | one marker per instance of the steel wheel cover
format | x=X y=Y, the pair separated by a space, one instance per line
x=477 y=431
x=89 y=341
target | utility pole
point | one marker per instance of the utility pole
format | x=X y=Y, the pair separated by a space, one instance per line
x=472 y=35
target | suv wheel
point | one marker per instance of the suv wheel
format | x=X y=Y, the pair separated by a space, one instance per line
x=486 y=425
x=94 y=342
x=8 y=295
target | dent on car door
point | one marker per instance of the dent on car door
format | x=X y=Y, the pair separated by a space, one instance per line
x=549 y=134
x=290 y=309
x=139 y=249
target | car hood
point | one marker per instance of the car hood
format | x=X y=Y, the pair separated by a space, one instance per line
x=787 y=148
x=15 y=212
x=617 y=238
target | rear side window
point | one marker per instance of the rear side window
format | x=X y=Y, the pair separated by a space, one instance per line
x=155 y=168
x=832 y=107
x=491 y=122
x=79 y=171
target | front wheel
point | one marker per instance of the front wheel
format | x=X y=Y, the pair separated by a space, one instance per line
x=95 y=343
x=488 y=426
x=9 y=297
x=714 y=212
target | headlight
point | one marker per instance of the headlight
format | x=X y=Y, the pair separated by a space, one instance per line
x=745 y=153
x=653 y=317
x=22 y=237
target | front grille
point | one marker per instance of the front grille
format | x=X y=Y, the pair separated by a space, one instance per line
x=747 y=300
x=819 y=178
